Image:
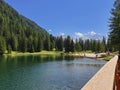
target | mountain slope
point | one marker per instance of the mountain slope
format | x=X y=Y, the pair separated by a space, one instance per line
x=18 y=32
x=7 y=12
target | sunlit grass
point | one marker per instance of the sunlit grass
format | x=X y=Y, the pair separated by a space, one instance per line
x=107 y=57
x=15 y=53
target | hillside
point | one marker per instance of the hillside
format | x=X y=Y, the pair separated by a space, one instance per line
x=19 y=33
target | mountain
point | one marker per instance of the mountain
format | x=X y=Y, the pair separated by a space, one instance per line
x=19 y=33
x=12 y=16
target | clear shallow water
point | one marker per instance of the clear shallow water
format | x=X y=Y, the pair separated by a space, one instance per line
x=46 y=72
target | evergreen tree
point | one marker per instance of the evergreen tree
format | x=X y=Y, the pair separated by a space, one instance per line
x=52 y=42
x=103 y=45
x=98 y=46
x=9 y=49
x=35 y=43
x=72 y=46
x=87 y=44
x=2 y=45
x=94 y=45
x=67 y=44
x=109 y=45
x=24 y=44
x=14 y=43
x=115 y=27
x=47 y=43
x=81 y=42
x=59 y=43
x=40 y=45
x=30 y=44
x=77 y=46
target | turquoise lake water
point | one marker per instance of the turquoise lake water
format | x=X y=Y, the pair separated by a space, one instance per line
x=44 y=72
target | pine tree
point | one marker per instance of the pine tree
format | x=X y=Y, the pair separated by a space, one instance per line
x=77 y=46
x=67 y=44
x=9 y=49
x=14 y=43
x=94 y=45
x=24 y=44
x=59 y=43
x=35 y=43
x=81 y=42
x=30 y=44
x=2 y=45
x=103 y=45
x=52 y=42
x=115 y=27
x=47 y=43
x=72 y=46
x=40 y=45
x=109 y=46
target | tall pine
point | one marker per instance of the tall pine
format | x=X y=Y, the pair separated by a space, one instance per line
x=115 y=27
x=2 y=45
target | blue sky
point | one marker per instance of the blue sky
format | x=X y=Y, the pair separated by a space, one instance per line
x=69 y=17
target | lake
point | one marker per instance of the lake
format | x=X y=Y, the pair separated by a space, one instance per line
x=45 y=72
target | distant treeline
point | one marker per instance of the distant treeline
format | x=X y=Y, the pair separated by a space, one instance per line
x=35 y=43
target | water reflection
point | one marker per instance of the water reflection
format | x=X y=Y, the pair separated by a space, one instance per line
x=46 y=72
x=33 y=58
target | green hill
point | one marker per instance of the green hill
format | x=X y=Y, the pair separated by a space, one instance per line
x=19 y=33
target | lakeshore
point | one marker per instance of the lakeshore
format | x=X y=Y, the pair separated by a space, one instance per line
x=103 y=56
x=14 y=53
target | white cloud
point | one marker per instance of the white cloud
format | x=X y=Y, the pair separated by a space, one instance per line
x=92 y=33
x=79 y=34
x=50 y=30
x=89 y=35
x=62 y=34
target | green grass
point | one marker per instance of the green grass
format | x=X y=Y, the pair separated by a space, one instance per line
x=107 y=57
x=87 y=51
x=14 y=53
